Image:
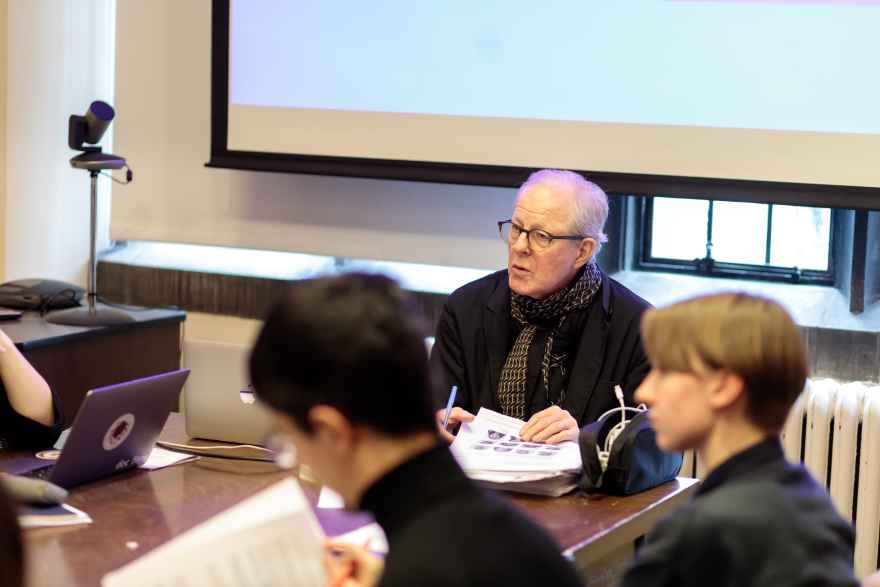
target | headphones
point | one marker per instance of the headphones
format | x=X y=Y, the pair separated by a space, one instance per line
x=615 y=431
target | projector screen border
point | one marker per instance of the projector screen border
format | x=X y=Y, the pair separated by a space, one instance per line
x=802 y=194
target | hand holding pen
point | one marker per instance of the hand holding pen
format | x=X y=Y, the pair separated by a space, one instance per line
x=349 y=565
x=449 y=403
x=451 y=417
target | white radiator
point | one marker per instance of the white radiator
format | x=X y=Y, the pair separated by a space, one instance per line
x=834 y=429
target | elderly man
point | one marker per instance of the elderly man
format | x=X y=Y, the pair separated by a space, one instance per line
x=548 y=339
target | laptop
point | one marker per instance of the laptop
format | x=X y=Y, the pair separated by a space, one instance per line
x=218 y=402
x=114 y=430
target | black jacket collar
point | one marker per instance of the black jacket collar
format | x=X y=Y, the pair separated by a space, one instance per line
x=749 y=462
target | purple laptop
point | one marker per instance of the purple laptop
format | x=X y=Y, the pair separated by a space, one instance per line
x=115 y=430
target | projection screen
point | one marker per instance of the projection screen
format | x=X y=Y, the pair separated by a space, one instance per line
x=749 y=97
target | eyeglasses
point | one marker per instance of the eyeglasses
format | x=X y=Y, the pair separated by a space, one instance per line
x=538 y=239
x=283 y=450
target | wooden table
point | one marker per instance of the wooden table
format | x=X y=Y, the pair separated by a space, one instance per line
x=137 y=511
x=599 y=533
x=75 y=359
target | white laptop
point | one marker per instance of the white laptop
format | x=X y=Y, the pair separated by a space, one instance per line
x=219 y=403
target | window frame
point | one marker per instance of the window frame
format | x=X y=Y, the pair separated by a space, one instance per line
x=713 y=268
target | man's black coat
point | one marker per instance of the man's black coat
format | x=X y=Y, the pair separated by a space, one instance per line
x=476 y=332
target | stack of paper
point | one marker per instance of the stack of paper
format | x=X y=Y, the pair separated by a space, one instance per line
x=491 y=452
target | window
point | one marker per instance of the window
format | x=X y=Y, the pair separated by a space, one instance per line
x=737 y=239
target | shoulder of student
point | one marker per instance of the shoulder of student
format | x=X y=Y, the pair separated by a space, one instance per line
x=479 y=541
x=761 y=533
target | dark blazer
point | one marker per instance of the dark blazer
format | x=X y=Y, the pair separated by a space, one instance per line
x=756 y=521
x=16 y=431
x=443 y=531
x=474 y=335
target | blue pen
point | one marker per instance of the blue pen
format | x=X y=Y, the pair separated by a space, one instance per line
x=449 y=405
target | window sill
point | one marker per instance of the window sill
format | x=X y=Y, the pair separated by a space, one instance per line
x=276 y=265
x=236 y=282
x=811 y=306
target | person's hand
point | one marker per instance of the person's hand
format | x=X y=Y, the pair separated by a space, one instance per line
x=872 y=580
x=5 y=341
x=348 y=565
x=456 y=417
x=551 y=426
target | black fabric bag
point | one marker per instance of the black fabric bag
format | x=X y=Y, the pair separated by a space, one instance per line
x=40 y=294
x=635 y=463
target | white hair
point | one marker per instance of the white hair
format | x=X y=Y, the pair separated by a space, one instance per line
x=590 y=203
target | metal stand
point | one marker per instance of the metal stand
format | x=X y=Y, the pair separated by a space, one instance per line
x=92 y=314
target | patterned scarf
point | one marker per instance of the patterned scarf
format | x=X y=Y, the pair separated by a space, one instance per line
x=531 y=313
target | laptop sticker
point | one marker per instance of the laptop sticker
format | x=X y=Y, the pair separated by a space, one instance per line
x=118 y=431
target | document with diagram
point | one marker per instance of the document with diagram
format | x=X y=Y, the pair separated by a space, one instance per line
x=491 y=452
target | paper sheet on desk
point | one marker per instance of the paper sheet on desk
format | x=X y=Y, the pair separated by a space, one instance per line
x=371 y=535
x=329 y=499
x=31 y=516
x=271 y=539
x=162 y=457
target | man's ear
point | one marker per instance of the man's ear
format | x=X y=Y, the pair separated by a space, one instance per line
x=586 y=249
x=728 y=390
x=332 y=428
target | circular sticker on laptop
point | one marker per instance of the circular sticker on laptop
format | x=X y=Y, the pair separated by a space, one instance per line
x=118 y=431
x=48 y=455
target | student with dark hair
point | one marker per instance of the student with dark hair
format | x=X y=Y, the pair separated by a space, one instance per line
x=343 y=363
x=11 y=550
x=29 y=413
x=725 y=370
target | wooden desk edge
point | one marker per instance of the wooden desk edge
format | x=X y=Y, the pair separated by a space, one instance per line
x=83 y=332
x=613 y=538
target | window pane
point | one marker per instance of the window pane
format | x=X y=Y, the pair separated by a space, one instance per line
x=739 y=232
x=800 y=237
x=678 y=230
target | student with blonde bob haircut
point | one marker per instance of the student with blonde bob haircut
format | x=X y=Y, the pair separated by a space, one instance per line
x=725 y=370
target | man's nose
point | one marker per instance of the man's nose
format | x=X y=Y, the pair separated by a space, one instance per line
x=643 y=395
x=521 y=244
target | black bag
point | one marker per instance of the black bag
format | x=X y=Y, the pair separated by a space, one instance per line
x=40 y=294
x=635 y=463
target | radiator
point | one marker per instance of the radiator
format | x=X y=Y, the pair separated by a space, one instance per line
x=834 y=430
